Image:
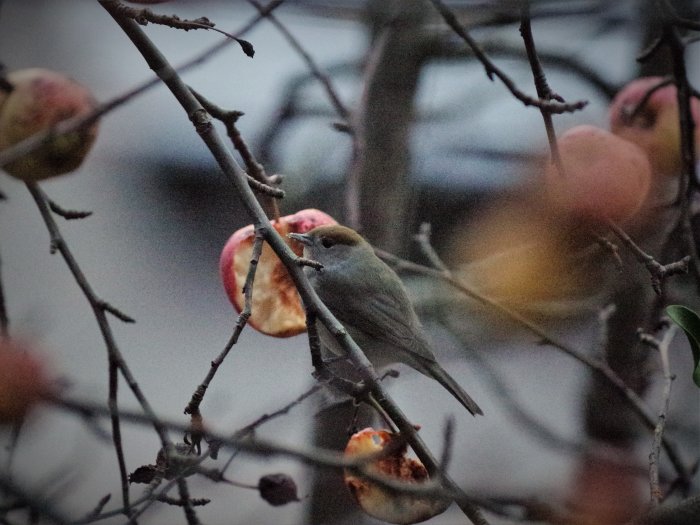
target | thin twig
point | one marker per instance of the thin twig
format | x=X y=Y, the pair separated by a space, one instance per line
x=423 y=240
x=98 y=508
x=492 y=70
x=250 y=428
x=316 y=71
x=630 y=114
x=662 y=347
x=186 y=502
x=544 y=92
x=198 y=395
x=145 y=16
x=259 y=180
x=68 y=214
x=658 y=272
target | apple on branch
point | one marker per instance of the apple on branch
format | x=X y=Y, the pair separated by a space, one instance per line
x=604 y=176
x=378 y=502
x=276 y=308
x=39 y=100
x=653 y=126
x=23 y=381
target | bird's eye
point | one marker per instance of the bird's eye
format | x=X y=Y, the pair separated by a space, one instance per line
x=327 y=242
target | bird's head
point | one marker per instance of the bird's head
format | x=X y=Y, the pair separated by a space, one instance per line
x=333 y=244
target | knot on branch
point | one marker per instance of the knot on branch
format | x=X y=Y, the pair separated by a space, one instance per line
x=201 y=121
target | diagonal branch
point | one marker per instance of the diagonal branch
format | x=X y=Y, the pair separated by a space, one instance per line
x=207 y=132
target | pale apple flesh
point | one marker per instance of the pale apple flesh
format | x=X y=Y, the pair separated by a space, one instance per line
x=378 y=502
x=276 y=308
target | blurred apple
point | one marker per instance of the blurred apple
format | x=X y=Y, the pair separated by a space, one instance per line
x=22 y=381
x=655 y=126
x=607 y=486
x=385 y=505
x=605 y=176
x=276 y=307
x=41 y=99
x=518 y=255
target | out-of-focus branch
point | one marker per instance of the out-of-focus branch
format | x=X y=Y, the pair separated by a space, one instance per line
x=4 y=318
x=36 y=504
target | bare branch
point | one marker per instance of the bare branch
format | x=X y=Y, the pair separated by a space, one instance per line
x=662 y=348
x=494 y=71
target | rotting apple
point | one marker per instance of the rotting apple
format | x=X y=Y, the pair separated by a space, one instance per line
x=276 y=308
x=654 y=126
x=378 y=502
x=23 y=381
x=39 y=100
x=605 y=176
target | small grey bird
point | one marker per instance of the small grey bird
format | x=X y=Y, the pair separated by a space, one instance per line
x=370 y=300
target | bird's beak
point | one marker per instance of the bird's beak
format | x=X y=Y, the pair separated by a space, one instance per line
x=301 y=237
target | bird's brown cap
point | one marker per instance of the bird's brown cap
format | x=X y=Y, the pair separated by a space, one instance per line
x=337 y=234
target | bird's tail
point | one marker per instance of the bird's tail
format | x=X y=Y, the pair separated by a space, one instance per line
x=434 y=370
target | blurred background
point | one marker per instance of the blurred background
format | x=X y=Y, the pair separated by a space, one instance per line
x=163 y=211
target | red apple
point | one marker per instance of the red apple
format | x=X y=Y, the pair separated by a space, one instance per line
x=607 y=487
x=40 y=99
x=655 y=127
x=605 y=176
x=276 y=307
x=378 y=502
x=22 y=381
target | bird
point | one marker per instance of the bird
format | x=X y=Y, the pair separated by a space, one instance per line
x=371 y=302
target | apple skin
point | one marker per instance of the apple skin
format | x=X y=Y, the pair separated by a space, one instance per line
x=656 y=127
x=23 y=381
x=40 y=99
x=379 y=503
x=605 y=176
x=276 y=307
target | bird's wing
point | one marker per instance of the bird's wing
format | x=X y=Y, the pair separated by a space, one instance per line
x=384 y=314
